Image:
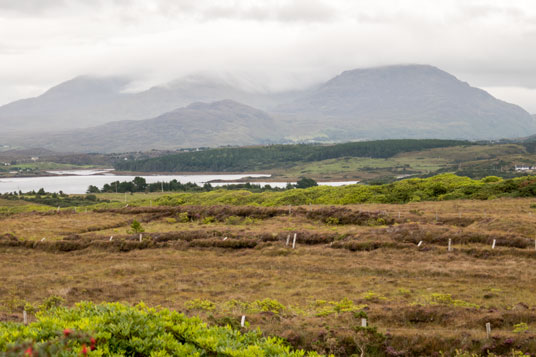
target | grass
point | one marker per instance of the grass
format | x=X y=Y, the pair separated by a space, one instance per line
x=416 y=163
x=363 y=168
x=423 y=299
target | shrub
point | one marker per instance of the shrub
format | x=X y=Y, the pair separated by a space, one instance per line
x=136 y=227
x=446 y=299
x=183 y=217
x=521 y=327
x=51 y=302
x=267 y=305
x=333 y=221
x=233 y=220
x=200 y=304
x=209 y=220
x=121 y=330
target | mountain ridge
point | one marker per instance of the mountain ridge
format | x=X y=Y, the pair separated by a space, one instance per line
x=399 y=101
x=195 y=125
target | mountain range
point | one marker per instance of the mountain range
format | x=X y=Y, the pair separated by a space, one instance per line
x=92 y=114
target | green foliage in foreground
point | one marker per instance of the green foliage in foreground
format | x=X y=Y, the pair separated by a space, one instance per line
x=121 y=330
x=440 y=187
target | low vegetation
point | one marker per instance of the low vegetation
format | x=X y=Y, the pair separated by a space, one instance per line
x=372 y=279
x=117 y=329
x=437 y=188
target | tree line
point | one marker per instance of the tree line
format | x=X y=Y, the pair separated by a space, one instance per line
x=268 y=157
x=139 y=184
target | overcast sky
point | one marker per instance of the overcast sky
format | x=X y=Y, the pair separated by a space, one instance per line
x=267 y=44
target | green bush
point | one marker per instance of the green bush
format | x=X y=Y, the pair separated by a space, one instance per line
x=115 y=329
x=136 y=227
x=209 y=220
x=436 y=188
x=183 y=217
x=200 y=304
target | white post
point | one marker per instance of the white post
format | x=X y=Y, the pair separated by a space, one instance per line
x=243 y=321
x=488 y=329
x=288 y=239
x=140 y=237
x=450 y=245
x=363 y=322
x=111 y=237
x=493 y=244
x=420 y=243
x=225 y=238
x=43 y=239
x=25 y=317
x=294 y=241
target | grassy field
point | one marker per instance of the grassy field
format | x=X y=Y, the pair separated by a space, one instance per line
x=350 y=262
x=363 y=168
x=415 y=163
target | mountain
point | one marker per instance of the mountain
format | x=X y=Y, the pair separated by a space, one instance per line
x=80 y=102
x=402 y=101
x=197 y=125
x=87 y=101
x=405 y=101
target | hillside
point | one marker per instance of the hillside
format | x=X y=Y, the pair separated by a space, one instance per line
x=87 y=101
x=278 y=156
x=392 y=102
x=197 y=125
x=406 y=101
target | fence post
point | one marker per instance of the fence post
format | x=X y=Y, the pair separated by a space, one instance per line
x=25 y=317
x=488 y=329
x=363 y=322
x=493 y=244
x=450 y=245
x=243 y=321
x=294 y=241
x=288 y=239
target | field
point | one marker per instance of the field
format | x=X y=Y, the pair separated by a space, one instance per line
x=350 y=262
x=475 y=161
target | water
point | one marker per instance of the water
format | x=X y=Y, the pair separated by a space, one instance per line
x=79 y=181
x=284 y=184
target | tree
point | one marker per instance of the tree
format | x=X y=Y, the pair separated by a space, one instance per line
x=140 y=184
x=92 y=189
x=136 y=227
x=306 y=182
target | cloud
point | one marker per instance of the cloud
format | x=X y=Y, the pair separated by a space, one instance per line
x=308 y=11
x=30 y=6
x=270 y=44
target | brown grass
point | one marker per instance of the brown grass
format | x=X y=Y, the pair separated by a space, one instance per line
x=424 y=299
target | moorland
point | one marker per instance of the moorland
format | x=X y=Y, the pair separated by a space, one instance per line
x=427 y=270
